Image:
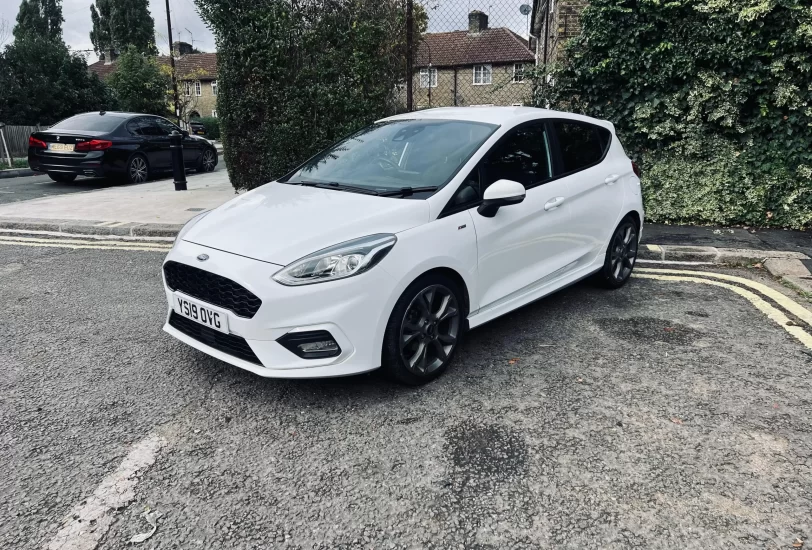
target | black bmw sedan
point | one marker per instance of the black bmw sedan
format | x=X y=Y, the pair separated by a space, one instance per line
x=128 y=146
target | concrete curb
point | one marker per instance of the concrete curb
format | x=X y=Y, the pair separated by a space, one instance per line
x=788 y=267
x=17 y=173
x=92 y=227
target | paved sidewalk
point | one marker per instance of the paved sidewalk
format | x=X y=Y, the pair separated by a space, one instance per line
x=724 y=237
x=153 y=208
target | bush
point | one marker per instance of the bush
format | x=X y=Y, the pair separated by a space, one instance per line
x=212 y=126
x=712 y=96
x=293 y=78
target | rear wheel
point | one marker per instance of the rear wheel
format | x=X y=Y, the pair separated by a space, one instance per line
x=424 y=331
x=61 y=178
x=207 y=161
x=620 y=256
x=137 y=170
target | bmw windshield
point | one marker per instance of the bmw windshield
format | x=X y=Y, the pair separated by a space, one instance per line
x=417 y=155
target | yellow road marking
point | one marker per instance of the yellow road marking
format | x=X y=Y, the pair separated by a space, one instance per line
x=772 y=312
x=147 y=248
x=109 y=244
x=103 y=224
x=654 y=247
x=787 y=303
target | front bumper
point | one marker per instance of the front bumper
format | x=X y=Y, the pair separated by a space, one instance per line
x=353 y=310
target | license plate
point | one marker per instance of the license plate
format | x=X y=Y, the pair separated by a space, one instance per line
x=201 y=133
x=60 y=146
x=202 y=313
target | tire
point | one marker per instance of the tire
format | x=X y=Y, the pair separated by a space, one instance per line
x=428 y=319
x=208 y=161
x=61 y=178
x=621 y=255
x=137 y=170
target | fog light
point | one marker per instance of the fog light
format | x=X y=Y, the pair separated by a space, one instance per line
x=314 y=344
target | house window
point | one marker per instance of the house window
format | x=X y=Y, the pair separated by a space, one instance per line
x=482 y=74
x=214 y=113
x=187 y=88
x=197 y=88
x=518 y=72
x=214 y=87
x=428 y=77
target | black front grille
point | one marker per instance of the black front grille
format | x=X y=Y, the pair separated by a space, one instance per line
x=209 y=287
x=227 y=343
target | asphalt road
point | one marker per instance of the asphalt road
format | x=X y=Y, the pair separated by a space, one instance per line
x=34 y=187
x=662 y=415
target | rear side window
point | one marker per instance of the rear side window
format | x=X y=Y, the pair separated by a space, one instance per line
x=138 y=127
x=93 y=122
x=581 y=144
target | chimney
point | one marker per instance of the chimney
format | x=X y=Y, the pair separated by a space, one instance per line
x=477 y=22
x=181 y=48
x=110 y=56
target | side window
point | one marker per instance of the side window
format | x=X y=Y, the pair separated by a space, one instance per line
x=524 y=157
x=136 y=126
x=468 y=192
x=165 y=127
x=581 y=144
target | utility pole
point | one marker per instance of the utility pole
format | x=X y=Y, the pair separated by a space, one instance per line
x=409 y=61
x=172 y=63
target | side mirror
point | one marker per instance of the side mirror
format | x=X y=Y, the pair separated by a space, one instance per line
x=185 y=133
x=500 y=193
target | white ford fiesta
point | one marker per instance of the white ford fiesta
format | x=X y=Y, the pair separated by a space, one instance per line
x=382 y=250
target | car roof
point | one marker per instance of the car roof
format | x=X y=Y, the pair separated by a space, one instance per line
x=503 y=116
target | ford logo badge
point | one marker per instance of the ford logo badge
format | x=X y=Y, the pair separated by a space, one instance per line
x=203 y=257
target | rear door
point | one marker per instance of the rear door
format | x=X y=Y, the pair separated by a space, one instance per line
x=593 y=179
x=141 y=130
x=191 y=146
x=526 y=242
x=158 y=139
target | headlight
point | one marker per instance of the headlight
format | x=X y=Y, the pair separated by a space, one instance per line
x=337 y=262
x=190 y=224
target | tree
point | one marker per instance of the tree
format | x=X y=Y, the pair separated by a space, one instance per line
x=41 y=82
x=5 y=31
x=118 y=24
x=139 y=85
x=295 y=76
x=39 y=18
x=712 y=95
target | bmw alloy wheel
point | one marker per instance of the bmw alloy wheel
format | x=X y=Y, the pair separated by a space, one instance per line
x=138 y=170
x=208 y=161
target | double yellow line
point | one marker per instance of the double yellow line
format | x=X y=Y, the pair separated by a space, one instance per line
x=91 y=244
x=716 y=279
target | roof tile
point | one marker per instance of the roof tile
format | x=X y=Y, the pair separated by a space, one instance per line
x=447 y=49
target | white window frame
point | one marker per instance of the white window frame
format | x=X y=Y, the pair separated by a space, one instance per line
x=198 y=88
x=214 y=113
x=213 y=87
x=428 y=77
x=485 y=69
x=520 y=72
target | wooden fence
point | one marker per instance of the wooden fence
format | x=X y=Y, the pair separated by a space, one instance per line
x=17 y=139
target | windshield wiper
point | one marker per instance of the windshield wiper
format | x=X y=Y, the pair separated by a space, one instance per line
x=406 y=191
x=337 y=186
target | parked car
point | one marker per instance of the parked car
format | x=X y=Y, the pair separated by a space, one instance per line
x=128 y=146
x=197 y=128
x=384 y=249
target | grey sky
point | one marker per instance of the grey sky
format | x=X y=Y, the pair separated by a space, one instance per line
x=444 y=15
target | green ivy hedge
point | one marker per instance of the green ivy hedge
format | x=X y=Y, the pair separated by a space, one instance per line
x=712 y=97
x=212 y=126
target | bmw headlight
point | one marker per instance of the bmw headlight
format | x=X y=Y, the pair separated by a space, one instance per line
x=189 y=225
x=337 y=262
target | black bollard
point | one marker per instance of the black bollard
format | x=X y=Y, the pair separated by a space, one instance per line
x=176 y=146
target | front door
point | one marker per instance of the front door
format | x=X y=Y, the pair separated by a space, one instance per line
x=526 y=242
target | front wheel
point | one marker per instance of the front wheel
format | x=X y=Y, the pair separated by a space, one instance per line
x=424 y=331
x=61 y=178
x=620 y=256
x=207 y=161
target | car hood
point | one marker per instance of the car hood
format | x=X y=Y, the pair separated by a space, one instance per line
x=280 y=223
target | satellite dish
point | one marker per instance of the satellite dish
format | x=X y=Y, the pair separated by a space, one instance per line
x=524 y=9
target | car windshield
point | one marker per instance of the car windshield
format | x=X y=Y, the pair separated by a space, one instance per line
x=89 y=123
x=396 y=154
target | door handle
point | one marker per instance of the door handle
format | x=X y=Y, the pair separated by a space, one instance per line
x=611 y=179
x=554 y=203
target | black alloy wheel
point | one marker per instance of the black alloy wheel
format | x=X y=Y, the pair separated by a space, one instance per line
x=424 y=331
x=208 y=161
x=621 y=255
x=137 y=170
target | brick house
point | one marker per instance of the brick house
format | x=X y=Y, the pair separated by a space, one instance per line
x=196 y=74
x=553 y=23
x=480 y=66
